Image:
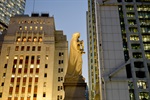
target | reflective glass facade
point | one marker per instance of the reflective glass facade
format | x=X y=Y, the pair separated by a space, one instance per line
x=93 y=68
x=134 y=21
x=10 y=8
x=122 y=37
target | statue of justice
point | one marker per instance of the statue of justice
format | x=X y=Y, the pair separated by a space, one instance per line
x=75 y=57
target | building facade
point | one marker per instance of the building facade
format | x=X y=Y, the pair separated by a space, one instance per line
x=8 y=9
x=93 y=67
x=33 y=59
x=123 y=45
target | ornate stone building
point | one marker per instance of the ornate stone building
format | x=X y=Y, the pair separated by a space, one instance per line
x=33 y=59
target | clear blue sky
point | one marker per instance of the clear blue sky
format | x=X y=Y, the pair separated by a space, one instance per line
x=69 y=15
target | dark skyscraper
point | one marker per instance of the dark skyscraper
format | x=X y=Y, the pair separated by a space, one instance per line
x=9 y=8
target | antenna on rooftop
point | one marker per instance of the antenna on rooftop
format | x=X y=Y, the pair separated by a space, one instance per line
x=33 y=5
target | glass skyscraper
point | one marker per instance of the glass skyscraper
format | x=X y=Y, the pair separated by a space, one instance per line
x=123 y=49
x=93 y=68
x=10 y=8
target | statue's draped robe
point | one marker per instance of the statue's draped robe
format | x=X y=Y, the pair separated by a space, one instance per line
x=75 y=58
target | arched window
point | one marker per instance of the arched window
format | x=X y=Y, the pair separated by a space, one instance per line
x=18 y=39
x=29 y=39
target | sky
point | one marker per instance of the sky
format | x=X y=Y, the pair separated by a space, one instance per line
x=69 y=16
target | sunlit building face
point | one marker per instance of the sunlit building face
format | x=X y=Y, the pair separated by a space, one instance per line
x=34 y=62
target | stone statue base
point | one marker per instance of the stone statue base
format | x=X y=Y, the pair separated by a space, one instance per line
x=74 y=88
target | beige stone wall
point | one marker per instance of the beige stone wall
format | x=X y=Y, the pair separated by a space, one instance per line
x=41 y=36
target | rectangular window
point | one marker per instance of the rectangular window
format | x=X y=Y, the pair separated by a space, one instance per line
x=13 y=70
x=35 y=89
x=28 y=98
x=37 y=70
x=36 y=27
x=15 y=61
x=60 y=70
x=19 y=70
x=5 y=66
x=18 y=39
x=59 y=97
x=33 y=48
x=61 y=53
x=7 y=57
x=59 y=88
x=38 y=59
x=12 y=80
x=44 y=85
x=60 y=61
x=22 y=98
x=40 y=39
x=45 y=75
x=21 y=61
x=4 y=74
x=17 y=90
x=36 y=79
x=24 y=79
x=0 y=95
x=25 y=70
x=32 y=59
x=44 y=94
x=18 y=79
x=39 y=48
x=35 y=39
x=29 y=89
x=30 y=79
x=46 y=57
x=25 y=28
x=23 y=89
x=28 y=48
x=29 y=39
x=35 y=95
x=46 y=65
x=17 y=48
x=32 y=66
x=31 y=70
x=30 y=27
x=10 y=90
x=24 y=39
x=41 y=28
x=9 y=98
x=60 y=79
x=22 y=48
x=15 y=98
x=26 y=59
x=2 y=84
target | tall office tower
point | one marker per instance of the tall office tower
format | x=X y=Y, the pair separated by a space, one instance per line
x=33 y=59
x=123 y=44
x=93 y=68
x=8 y=9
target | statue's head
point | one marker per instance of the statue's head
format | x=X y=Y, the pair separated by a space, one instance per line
x=76 y=35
